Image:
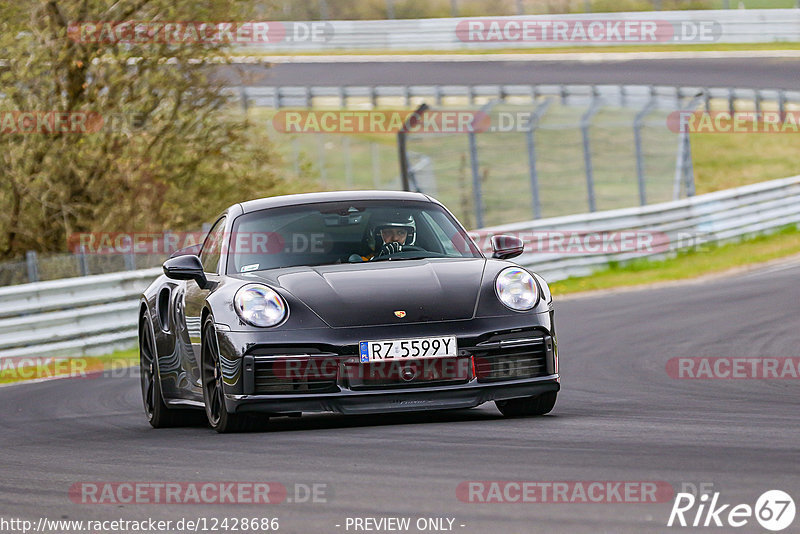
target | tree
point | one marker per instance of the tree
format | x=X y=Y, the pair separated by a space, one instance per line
x=152 y=141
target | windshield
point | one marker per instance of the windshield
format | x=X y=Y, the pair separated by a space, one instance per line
x=345 y=232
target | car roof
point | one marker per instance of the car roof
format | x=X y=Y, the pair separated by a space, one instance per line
x=335 y=196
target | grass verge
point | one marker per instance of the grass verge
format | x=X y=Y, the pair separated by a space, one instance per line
x=14 y=370
x=688 y=264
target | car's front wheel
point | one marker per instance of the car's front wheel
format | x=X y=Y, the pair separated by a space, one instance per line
x=159 y=415
x=213 y=395
x=539 y=405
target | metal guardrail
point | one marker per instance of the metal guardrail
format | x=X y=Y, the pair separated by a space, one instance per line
x=716 y=217
x=722 y=26
x=662 y=96
x=96 y=314
x=73 y=316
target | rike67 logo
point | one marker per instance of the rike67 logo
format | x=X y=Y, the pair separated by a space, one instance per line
x=774 y=510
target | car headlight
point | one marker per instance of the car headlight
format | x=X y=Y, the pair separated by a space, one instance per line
x=259 y=305
x=516 y=289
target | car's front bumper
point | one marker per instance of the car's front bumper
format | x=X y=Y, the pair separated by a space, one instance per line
x=503 y=358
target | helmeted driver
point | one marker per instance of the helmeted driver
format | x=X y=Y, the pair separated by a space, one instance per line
x=389 y=233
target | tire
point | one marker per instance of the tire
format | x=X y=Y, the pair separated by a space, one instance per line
x=213 y=395
x=539 y=405
x=158 y=414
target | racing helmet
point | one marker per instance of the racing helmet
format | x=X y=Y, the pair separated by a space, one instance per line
x=391 y=220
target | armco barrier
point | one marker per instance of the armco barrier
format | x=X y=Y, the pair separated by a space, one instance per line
x=727 y=25
x=714 y=217
x=73 y=316
x=96 y=314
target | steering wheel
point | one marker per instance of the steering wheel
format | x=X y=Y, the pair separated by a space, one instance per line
x=406 y=248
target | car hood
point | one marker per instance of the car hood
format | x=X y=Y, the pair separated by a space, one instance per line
x=348 y=295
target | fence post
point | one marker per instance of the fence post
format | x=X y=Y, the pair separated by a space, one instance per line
x=684 y=168
x=689 y=168
x=243 y=99
x=454 y=8
x=477 y=189
x=538 y=113
x=477 y=193
x=782 y=103
x=731 y=101
x=323 y=9
x=520 y=7
x=130 y=260
x=757 y=101
x=83 y=263
x=586 y=122
x=401 y=144
x=389 y=9
x=638 y=122
x=33 y=266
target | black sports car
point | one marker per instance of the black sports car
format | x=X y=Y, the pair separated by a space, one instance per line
x=351 y=302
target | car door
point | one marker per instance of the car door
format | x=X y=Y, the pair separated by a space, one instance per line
x=194 y=297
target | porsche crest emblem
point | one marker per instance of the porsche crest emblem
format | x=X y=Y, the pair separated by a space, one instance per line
x=400 y=314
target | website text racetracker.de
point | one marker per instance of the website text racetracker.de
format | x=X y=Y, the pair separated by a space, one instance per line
x=150 y=525
x=586 y=31
x=567 y=491
x=214 y=492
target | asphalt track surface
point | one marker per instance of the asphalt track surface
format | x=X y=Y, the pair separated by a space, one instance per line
x=620 y=417
x=763 y=73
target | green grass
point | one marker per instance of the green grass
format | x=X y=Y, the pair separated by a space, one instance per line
x=14 y=370
x=724 y=161
x=689 y=264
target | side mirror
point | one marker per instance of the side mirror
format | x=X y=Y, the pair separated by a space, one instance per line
x=506 y=247
x=187 y=267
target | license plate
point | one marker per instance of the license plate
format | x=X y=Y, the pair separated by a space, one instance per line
x=408 y=349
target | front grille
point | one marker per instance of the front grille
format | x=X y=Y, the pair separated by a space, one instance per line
x=411 y=373
x=512 y=359
x=286 y=375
